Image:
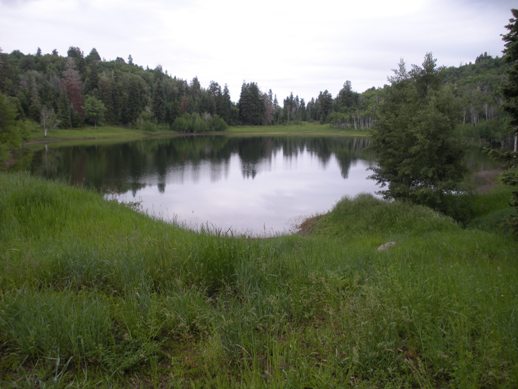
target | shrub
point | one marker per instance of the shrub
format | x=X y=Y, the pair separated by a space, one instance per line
x=195 y=122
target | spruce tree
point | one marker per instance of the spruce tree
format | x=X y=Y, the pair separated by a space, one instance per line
x=510 y=91
x=419 y=157
x=251 y=104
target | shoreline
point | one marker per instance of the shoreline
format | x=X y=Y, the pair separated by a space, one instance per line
x=108 y=134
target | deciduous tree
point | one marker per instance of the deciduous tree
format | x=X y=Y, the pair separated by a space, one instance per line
x=74 y=87
x=48 y=119
x=94 y=110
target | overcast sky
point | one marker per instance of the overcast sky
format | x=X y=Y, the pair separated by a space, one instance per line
x=283 y=45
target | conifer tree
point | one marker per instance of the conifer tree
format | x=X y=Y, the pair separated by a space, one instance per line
x=510 y=177
x=511 y=87
x=251 y=104
x=420 y=158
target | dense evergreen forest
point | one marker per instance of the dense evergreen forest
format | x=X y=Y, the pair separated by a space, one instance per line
x=78 y=90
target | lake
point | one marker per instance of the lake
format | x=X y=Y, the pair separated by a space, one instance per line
x=258 y=186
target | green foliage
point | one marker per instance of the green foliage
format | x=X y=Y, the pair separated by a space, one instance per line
x=94 y=110
x=477 y=93
x=251 y=104
x=145 y=121
x=199 y=123
x=294 y=109
x=510 y=176
x=324 y=105
x=419 y=156
x=69 y=85
x=348 y=110
x=217 y=123
x=126 y=90
x=490 y=132
x=511 y=56
x=8 y=134
x=338 y=119
x=12 y=131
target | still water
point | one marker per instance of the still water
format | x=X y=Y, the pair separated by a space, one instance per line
x=256 y=186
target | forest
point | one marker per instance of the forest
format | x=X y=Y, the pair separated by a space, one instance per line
x=76 y=90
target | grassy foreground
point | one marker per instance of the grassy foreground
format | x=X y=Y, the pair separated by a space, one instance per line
x=95 y=294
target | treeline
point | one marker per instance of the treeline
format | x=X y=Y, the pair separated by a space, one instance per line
x=477 y=91
x=476 y=87
x=348 y=109
x=77 y=90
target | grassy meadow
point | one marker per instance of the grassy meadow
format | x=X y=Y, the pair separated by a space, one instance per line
x=93 y=293
x=114 y=134
x=94 y=135
x=299 y=129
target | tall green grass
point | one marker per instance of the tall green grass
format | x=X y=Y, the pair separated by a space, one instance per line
x=95 y=294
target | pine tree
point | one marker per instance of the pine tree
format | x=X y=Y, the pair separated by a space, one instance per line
x=64 y=109
x=93 y=56
x=324 y=105
x=35 y=104
x=158 y=100
x=226 y=112
x=251 y=104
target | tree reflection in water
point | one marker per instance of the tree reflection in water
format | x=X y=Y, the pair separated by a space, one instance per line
x=201 y=176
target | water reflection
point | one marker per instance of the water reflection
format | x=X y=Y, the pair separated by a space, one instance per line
x=254 y=185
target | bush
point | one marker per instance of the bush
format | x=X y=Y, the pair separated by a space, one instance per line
x=216 y=123
x=195 y=122
x=145 y=121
